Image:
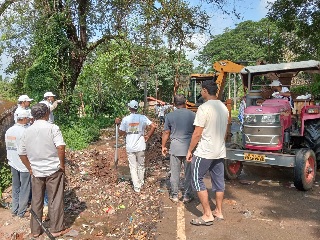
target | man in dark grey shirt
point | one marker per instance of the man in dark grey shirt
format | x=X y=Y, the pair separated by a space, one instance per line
x=179 y=127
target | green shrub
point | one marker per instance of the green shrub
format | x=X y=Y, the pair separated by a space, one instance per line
x=5 y=177
x=79 y=133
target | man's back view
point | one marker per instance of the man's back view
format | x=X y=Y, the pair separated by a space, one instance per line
x=179 y=125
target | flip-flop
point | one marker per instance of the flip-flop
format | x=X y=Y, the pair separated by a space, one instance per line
x=200 y=222
x=217 y=218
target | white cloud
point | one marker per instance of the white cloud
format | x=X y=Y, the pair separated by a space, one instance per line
x=200 y=40
x=263 y=6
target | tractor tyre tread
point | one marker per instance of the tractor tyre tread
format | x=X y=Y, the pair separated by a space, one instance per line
x=312 y=137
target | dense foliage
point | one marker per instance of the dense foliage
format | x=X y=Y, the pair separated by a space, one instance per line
x=5 y=179
x=301 y=18
x=96 y=55
x=247 y=43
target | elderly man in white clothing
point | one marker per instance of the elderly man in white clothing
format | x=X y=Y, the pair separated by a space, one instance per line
x=21 y=179
x=48 y=99
x=281 y=92
x=23 y=104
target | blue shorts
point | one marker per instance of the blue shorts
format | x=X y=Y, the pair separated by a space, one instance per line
x=200 y=166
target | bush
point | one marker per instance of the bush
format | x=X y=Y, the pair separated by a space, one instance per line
x=5 y=179
x=313 y=88
x=79 y=133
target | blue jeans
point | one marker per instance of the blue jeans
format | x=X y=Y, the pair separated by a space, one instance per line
x=21 y=188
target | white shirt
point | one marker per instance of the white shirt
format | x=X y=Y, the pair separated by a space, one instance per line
x=51 y=106
x=39 y=142
x=213 y=117
x=284 y=90
x=134 y=125
x=12 y=138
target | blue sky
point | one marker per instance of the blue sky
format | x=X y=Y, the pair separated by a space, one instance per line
x=248 y=9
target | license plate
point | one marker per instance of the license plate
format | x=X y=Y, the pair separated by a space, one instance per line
x=254 y=157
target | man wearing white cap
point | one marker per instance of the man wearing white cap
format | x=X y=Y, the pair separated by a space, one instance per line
x=134 y=126
x=51 y=103
x=280 y=91
x=21 y=179
x=23 y=104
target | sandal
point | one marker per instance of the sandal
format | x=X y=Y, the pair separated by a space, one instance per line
x=216 y=218
x=200 y=222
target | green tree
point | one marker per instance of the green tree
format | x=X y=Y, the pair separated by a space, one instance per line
x=300 y=19
x=80 y=27
x=249 y=41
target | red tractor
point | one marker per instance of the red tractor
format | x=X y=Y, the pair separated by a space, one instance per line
x=276 y=132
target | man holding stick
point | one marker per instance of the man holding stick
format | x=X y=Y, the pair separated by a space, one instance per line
x=42 y=151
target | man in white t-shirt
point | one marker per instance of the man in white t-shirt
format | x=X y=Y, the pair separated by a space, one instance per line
x=134 y=126
x=161 y=111
x=210 y=130
x=281 y=92
x=42 y=151
x=21 y=179
x=48 y=99
x=23 y=104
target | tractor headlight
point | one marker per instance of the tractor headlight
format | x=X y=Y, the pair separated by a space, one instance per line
x=270 y=119
x=250 y=119
x=313 y=110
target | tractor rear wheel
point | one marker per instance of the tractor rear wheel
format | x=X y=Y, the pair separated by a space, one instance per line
x=232 y=169
x=304 y=169
x=312 y=137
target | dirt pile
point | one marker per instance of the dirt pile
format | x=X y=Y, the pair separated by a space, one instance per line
x=99 y=200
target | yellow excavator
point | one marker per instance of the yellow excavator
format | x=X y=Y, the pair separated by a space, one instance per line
x=222 y=68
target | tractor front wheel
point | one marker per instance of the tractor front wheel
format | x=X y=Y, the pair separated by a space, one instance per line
x=312 y=137
x=232 y=169
x=305 y=169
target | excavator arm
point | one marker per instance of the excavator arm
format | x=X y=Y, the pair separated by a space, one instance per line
x=222 y=68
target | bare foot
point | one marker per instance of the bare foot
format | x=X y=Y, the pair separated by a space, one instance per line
x=57 y=234
x=206 y=219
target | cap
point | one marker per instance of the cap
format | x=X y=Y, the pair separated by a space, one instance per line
x=49 y=94
x=24 y=98
x=133 y=104
x=24 y=114
x=275 y=83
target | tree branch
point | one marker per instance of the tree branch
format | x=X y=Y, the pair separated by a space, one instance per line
x=5 y=5
x=104 y=38
x=83 y=8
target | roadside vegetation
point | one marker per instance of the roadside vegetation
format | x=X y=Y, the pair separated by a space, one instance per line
x=96 y=57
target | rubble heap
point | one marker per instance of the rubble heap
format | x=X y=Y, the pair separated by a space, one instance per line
x=99 y=199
